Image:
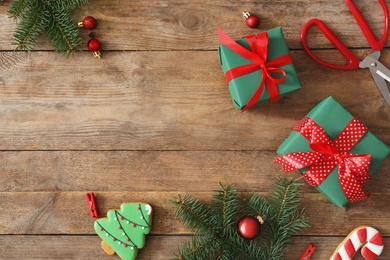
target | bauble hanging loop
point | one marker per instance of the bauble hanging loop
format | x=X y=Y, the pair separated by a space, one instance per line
x=88 y=22
x=94 y=46
x=251 y=20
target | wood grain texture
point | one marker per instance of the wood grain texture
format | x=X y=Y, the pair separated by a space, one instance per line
x=132 y=101
x=181 y=171
x=191 y=25
x=153 y=119
x=156 y=247
x=67 y=212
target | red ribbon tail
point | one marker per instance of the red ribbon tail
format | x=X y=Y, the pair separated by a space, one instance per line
x=272 y=90
x=295 y=161
x=354 y=194
x=255 y=96
x=353 y=174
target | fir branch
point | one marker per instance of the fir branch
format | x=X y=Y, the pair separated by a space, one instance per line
x=200 y=247
x=28 y=31
x=280 y=209
x=18 y=8
x=65 y=4
x=226 y=200
x=195 y=215
x=285 y=199
x=52 y=16
x=62 y=31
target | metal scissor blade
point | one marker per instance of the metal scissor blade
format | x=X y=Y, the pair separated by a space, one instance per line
x=379 y=72
x=382 y=85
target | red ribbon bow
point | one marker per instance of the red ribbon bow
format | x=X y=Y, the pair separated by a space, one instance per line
x=326 y=155
x=258 y=55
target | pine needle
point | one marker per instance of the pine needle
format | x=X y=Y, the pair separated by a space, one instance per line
x=215 y=225
x=51 y=16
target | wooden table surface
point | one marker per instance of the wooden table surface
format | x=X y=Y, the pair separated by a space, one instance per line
x=153 y=118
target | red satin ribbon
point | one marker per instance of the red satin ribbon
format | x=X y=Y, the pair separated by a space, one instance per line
x=326 y=155
x=258 y=55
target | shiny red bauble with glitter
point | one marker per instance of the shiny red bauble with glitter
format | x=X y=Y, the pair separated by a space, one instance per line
x=248 y=227
x=88 y=22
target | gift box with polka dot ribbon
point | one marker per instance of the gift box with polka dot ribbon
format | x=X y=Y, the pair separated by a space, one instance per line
x=334 y=151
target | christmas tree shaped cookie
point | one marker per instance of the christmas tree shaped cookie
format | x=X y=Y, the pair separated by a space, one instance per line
x=123 y=231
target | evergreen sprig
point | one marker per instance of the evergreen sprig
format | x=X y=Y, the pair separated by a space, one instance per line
x=215 y=225
x=50 y=16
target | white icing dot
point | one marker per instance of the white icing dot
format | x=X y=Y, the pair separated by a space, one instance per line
x=106 y=234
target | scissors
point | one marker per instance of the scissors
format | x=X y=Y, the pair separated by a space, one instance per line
x=378 y=71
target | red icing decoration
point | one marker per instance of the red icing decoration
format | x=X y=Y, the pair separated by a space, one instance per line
x=377 y=239
x=368 y=254
x=362 y=235
x=349 y=248
x=337 y=257
x=119 y=227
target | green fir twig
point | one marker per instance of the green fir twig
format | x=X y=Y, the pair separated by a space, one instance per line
x=53 y=17
x=215 y=225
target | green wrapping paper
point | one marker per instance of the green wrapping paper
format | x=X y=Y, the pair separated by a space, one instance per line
x=333 y=118
x=242 y=88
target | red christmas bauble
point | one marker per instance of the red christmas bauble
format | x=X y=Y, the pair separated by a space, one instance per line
x=251 y=20
x=93 y=45
x=88 y=22
x=249 y=227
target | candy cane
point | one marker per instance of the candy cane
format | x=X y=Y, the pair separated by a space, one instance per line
x=366 y=237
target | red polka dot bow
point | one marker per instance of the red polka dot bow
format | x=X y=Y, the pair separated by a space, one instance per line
x=327 y=155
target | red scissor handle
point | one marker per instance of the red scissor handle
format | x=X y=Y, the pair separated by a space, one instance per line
x=376 y=45
x=353 y=61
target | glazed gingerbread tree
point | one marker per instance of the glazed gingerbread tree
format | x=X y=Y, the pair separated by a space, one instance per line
x=123 y=231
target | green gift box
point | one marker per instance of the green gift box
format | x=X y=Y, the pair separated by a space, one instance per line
x=333 y=118
x=243 y=88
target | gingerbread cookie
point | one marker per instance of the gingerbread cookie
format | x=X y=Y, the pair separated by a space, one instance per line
x=123 y=231
x=367 y=238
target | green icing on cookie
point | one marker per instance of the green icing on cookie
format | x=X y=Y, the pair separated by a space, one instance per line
x=124 y=230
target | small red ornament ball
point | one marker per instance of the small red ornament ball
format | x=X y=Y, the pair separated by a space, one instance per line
x=94 y=46
x=88 y=22
x=249 y=227
x=251 y=20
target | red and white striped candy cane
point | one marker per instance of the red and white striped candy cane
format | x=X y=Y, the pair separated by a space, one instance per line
x=366 y=237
